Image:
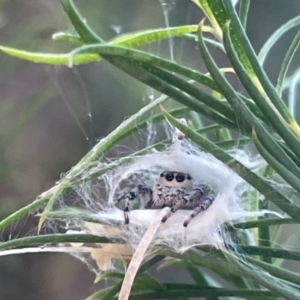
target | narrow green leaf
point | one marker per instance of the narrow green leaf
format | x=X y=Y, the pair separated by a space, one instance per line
x=286 y=62
x=284 y=274
x=104 y=292
x=144 y=282
x=244 y=9
x=48 y=58
x=264 y=232
x=214 y=43
x=88 y=57
x=146 y=77
x=263 y=53
x=98 y=150
x=264 y=279
x=214 y=260
x=153 y=62
x=283 y=171
x=288 y=151
x=275 y=253
x=230 y=144
x=262 y=223
x=141 y=56
x=67 y=37
x=195 y=120
x=203 y=279
x=291 y=243
x=78 y=181
x=193 y=292
x=54 y=238
x=108 y=294
x=260 y=73
x=71 y=213
x=128 y=40
x=197 y=275
x=136 y=39
x=87 y=35
x=219 y=11
x=253 y=179
x=89 y=53
x=277 y=123
x=219 y=106
x=150 y=263
x=200 y=278
x=245 y=118
x=204 y=5
x=293 y=86
x=107 y=275
x=44 y=198
x=21 y=213
x=113 y=291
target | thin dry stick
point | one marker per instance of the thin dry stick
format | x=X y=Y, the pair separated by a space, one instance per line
x=139 y=255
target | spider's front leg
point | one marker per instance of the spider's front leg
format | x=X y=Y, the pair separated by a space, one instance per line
x=180 y=204
x=143 y=192
x=130 y=196
x=204 y=197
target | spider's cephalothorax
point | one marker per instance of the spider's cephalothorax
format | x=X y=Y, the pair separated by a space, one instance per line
x=175 y=190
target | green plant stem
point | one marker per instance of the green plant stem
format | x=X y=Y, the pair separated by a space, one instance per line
x=287 y=61
x=264 y=80
x=215 y=261
x=87 y=35
x=269 y=143
x=271 y=252
x=253 y=179
x=262 y=223
x=192 y=292
x=55 y=238
x=19 y=214
x=244 y=8
x=265 y=50
x=167 y=89
x=283 y=171
x=264 y=232
x=96 y=153
x=275 y=271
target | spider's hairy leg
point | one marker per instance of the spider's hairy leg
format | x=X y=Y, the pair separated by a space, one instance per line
x=143 y=192
x=174 y=208
x=205 y=203
x=130 y=196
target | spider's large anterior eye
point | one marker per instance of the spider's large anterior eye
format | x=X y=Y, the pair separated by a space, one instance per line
x=169 y=176
x=180 y=177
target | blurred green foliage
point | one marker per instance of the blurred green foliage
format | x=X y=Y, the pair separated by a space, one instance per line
x=50 y=116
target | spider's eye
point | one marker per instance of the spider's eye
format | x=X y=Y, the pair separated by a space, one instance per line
x=180 y=177
x=189 y=177
x=169 y=176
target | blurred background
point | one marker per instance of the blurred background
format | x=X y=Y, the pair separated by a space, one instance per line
x=50 y=116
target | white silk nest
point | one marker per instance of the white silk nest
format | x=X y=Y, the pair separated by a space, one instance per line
x=98 y=198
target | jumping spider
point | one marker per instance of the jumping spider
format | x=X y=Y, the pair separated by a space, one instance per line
x=173 y=189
